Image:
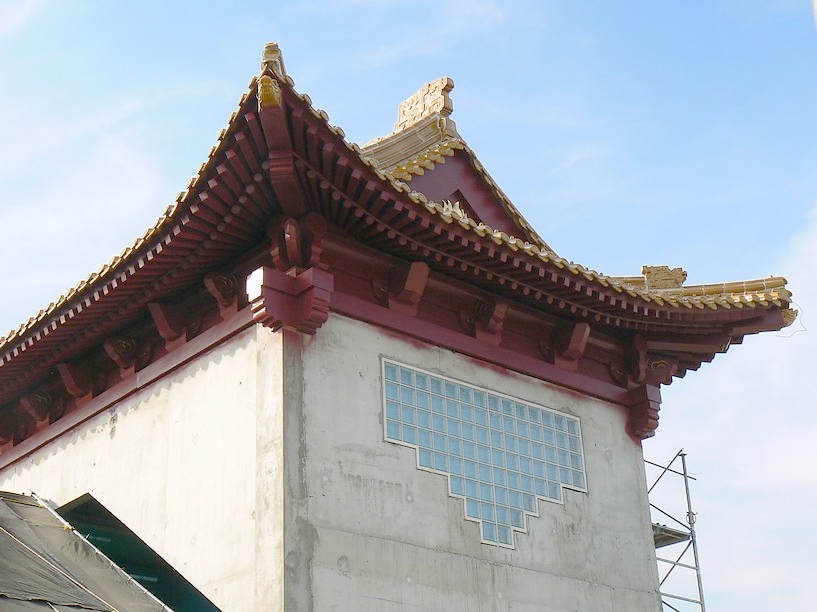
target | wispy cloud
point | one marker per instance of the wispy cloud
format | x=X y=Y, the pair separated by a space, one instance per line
x=14 y=14
x=455 y=20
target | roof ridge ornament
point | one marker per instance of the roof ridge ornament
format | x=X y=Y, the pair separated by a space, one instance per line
x=273 y=60
x=662 y=277
x=431 y=99
x=269 y=92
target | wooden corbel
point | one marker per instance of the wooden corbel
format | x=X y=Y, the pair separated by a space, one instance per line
x=127 y=354
x=175 y=325
x=485 y=321
x=80 y=381
x=226 y=291
x=43 y=407
x=15 y=425
x=645 y=402
x=296 y=243
x=565 y=345
x=407 y=283
x=300 y=302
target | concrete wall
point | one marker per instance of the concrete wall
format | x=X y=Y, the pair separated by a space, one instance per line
x=376 y=533
x=260 y=471
x=184 y=463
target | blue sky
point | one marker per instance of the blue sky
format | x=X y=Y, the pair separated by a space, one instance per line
x=654 y=133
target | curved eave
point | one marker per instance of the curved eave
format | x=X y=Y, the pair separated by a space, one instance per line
x=226 y=209
x=203 y=230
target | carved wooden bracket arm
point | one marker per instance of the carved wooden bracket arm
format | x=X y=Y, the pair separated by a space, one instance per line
x=80 y=381
x=227 y=292
x=174 y=324
x=485 y=321
x=407 y=283
x=565 y=345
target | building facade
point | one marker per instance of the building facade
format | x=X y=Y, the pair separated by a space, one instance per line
x=421 y=406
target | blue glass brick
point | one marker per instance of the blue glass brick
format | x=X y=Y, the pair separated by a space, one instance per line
x=436 y=385
x=421 y=381
x=514 y=480
x=392 y=409
x=393 y=430
x=452 y=408
x=426 y=459
x=424 y=438
x=451 y=389
x=392 y=391
x=517 y=519
x=437 y=404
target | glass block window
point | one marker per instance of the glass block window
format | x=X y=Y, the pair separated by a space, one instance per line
x=500 y=454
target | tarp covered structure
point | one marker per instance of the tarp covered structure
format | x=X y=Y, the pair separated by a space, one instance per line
x=46 y=565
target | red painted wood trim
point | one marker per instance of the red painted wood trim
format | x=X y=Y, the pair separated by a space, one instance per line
x=459 y=342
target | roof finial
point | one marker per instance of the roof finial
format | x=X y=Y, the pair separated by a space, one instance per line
x=431 y=99
x=662 y=277
x=272 y=59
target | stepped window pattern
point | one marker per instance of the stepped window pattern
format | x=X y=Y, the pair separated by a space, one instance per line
x=501 y=455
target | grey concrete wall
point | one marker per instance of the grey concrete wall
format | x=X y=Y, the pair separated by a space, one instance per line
x=376 y=533
x=260 y=471
x=185 y=463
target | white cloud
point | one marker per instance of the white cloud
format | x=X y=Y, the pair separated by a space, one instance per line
x=14 y=14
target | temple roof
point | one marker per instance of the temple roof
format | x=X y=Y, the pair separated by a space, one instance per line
x=422 y=139
x=278 y=157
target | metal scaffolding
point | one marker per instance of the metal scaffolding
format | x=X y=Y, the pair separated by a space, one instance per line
x=679 y=592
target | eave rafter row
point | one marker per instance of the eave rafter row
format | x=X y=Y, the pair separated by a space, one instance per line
x=452 y=260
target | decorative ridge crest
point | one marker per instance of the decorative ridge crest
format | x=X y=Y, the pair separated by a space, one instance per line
x=431 y=99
